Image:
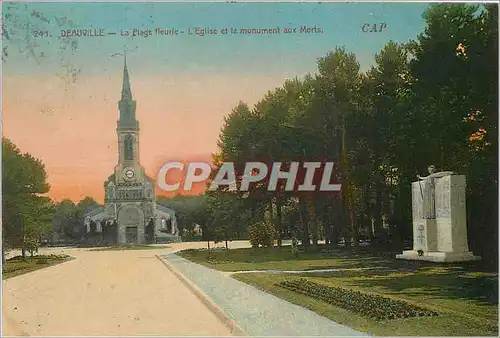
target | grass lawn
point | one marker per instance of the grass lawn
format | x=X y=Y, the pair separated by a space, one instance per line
x=16 y=266
x=268 y=259
x=465 y=295
x=131 y=247
x=324 y=257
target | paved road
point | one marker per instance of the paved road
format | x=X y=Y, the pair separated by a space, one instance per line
x=107 y=293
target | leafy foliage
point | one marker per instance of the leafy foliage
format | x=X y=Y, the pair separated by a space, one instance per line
x=26 y=213
x=433 y=100
x=187 y=209
x=68 y=220
x=223 y=217
x=262 y=234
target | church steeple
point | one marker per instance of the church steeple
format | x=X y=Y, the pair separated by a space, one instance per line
x=127 y=104
x=126 y=91
x=127 y=126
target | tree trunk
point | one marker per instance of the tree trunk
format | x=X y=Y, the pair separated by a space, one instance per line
x=325 y=220
x=335 y=220
x=346 y=229
x=377 y=211
x=313 y=221
x=271 y=211
x=279 y=221
x=252 y=212
x=272 y=218
x=23 y=234
x=306 y=241
x=354 y=228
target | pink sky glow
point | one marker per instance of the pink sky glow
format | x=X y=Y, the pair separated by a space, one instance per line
x=71 y=126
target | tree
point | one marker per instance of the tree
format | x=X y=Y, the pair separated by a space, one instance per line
x=87 y=204
x=385 y=135
x=455 y=67
x=339 y=80
x=431 y=100
x=186 y=209
x=68 y=220
x=25 y=212
x=226 y=216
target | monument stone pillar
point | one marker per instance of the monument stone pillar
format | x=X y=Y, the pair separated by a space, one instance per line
x=439 y=231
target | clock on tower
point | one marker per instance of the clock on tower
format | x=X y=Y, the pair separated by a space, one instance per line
x=129 y=173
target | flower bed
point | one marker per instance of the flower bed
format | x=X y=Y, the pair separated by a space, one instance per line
x=29 y=257
x=374 y=306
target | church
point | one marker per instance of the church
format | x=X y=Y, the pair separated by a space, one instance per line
x=130 y=214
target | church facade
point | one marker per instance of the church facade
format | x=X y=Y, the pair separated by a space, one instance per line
x=130 y=209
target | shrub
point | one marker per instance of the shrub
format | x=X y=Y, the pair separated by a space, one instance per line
x=262 y=234
x=42 y=261
x=374 y=306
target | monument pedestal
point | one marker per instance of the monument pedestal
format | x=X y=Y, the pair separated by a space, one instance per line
x=443 y=239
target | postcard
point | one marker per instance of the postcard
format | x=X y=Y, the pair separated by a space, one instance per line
x=250 y=168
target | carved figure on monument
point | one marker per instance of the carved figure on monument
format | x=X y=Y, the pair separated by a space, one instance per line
x=428 y=191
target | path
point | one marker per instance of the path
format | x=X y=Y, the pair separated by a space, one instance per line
x=256 y=312
x=106 y=293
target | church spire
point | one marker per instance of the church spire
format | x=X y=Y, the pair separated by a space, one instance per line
x=126 y=92
x=127 y=104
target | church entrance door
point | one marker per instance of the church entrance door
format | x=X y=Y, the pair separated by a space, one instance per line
x=131 y=225
x=131 y=235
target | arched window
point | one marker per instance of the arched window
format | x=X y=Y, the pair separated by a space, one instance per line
x=128 y=146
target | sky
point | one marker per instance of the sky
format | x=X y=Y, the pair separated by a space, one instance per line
x=60 y=94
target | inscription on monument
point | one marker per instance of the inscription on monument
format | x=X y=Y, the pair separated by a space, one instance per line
x=421 y=234
x=430 y=193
